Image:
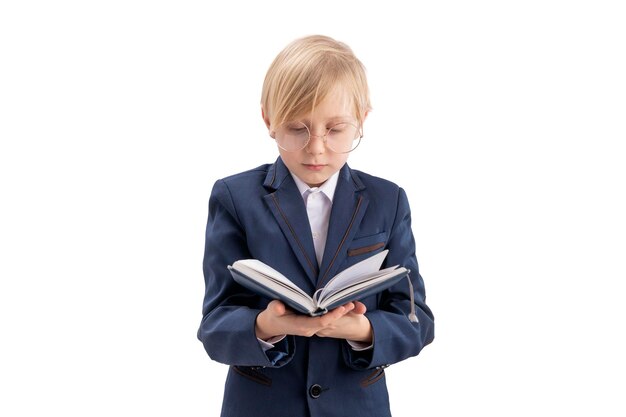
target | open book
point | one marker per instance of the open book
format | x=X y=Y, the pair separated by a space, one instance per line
x=356 y=282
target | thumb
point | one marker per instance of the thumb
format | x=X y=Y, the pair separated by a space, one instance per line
x=277 y=308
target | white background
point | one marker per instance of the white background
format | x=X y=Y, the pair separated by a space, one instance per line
x=504 y=121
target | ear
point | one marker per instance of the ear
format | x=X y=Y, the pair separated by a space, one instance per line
x=265 y=118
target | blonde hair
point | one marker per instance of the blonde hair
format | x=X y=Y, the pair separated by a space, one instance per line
x=305 y=72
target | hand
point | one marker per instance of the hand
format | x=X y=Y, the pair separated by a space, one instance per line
x=351 y=326
x=277 y=320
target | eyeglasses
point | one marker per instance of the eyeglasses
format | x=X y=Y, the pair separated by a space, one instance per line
x=340 y=138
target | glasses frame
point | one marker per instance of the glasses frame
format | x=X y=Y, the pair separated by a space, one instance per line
x=324 y=137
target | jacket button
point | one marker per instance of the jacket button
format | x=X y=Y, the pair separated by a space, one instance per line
x=315 y=391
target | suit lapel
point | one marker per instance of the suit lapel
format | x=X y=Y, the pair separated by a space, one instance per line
x=286 y=204
x=349 y=206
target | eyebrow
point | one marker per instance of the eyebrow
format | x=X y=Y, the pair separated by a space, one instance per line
x=330 y=120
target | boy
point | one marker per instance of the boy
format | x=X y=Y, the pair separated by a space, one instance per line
x=310 y=216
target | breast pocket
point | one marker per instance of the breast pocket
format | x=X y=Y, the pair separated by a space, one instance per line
x=367 y=245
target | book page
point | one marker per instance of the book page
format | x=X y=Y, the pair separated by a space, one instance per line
x=354 y=273
x=373 y=284
x=257 y=269
x=261 y=272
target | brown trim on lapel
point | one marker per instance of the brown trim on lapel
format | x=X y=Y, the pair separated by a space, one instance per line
x=321 y=281
x=312 y=265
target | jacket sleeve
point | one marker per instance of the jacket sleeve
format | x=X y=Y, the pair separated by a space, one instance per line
x=396 y=337
x=229 y=311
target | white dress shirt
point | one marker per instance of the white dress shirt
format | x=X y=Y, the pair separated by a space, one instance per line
x=318 y=202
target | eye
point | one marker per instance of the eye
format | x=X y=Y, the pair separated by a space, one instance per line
x=294 y=127
x=297 y=130
x=340 y=127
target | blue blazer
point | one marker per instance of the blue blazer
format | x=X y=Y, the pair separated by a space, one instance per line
x=260 y=214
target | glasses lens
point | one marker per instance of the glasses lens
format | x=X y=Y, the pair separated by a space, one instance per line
x=343 y=138
x=292 y=136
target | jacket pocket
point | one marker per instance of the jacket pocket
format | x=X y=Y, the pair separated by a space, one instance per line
x=367 y=244
x=374 y=376
x=253 y=374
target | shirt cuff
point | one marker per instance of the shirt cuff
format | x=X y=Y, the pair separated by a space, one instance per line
x=269 y=343
x=360 y=346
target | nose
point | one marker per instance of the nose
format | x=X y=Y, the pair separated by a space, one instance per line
x=316 y=145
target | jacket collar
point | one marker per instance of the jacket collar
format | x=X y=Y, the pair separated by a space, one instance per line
x=278 y=173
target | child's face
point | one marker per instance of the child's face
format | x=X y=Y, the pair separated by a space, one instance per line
x=316 y=163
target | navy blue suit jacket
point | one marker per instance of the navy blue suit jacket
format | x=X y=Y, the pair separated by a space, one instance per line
x=260 y=214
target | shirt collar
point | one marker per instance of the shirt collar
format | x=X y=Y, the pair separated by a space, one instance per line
x=328 y=188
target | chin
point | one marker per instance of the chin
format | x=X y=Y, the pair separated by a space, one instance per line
x=314 y=181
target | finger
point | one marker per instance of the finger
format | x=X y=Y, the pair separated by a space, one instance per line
x=348 y=307
x=331 y=316
x=337 y=313
x=359 y=308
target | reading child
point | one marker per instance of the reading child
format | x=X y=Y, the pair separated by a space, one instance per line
x=310 y=216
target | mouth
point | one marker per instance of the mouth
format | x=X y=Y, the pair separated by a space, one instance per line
x=314 y=167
